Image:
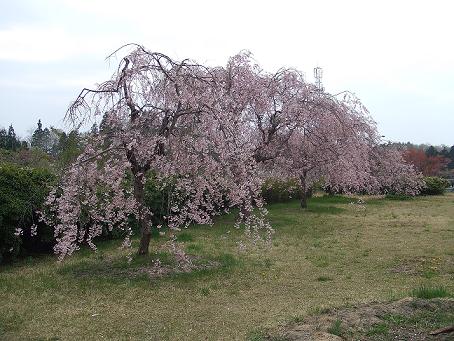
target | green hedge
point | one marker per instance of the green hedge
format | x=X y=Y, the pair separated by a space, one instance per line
x=22 y=193
x=434 y=185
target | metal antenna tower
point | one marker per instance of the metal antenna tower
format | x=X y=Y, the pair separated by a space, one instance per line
x=318 y=74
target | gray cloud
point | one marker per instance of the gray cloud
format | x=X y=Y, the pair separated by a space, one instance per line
x=395 y=55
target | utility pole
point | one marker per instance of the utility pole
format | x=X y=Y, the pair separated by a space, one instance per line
x=318 y=74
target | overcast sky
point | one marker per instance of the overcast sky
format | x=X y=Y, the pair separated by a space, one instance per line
x=397 y=56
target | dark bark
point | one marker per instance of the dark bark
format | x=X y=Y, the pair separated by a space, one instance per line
x=303 y=200
x=144 y=221
x=306 y=192
x=144 y=242
x=138 y=173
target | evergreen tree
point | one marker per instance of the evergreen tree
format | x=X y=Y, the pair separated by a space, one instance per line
x=37 y=136
x=69 y=146
x=8 y=140
x=42 y=139
x=451 y=156
x=13 y=141
x=3 y=139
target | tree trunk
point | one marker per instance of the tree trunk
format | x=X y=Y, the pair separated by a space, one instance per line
x=144 y=241
x=144 y=222
x=303 y=201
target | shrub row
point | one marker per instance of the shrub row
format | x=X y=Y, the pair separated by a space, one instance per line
x=275 y=190
x=434 y=185
x=22 y=192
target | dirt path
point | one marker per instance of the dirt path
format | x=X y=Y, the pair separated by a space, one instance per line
x=407 y=319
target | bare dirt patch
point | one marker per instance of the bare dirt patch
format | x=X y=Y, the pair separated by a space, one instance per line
x=406 y=319
x=417 y=266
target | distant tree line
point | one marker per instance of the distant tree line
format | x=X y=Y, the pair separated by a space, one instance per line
x=29 y=168
x=47 y=147
x=9 y=140
x=50 y=145
x=428 y=159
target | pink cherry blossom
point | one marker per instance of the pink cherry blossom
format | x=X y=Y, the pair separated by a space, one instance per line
x=217 y=132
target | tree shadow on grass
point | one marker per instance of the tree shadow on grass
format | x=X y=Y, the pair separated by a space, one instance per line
x=324 y=209
x=153 y=267
x=332 y=199
x=322 y=205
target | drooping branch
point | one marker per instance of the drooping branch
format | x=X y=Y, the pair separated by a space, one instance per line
x=216 y=132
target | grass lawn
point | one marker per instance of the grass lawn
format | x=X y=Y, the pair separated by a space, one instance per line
x=332 y=254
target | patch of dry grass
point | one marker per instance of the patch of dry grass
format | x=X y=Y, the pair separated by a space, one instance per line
x=372 y=254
